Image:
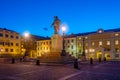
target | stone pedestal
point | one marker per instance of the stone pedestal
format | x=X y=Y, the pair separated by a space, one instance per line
x=56 y=43
x=54 y=56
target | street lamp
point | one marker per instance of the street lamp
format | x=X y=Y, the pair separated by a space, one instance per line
x=26 y=35
x=83 y=52
x=63 y=50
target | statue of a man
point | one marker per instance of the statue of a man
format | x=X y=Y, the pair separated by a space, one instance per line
x=56 y=25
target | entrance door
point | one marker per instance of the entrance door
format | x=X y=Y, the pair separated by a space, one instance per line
x=99 y=54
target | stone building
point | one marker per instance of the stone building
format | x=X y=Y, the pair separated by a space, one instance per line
x=100 y=43
x=29 y=45
x=10 y=43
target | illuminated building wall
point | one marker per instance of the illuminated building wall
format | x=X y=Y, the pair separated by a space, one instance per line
x=10 y=42
x=43 y=46
x=100 y=43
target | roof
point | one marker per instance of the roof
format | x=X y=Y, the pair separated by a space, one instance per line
x=39 y=37
x=8 y=30
x=109 y=30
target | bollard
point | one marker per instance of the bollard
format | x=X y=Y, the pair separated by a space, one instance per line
x=75 y=64
x=99 y=59
x=104 y=58
x=91 y=61
x=20 y=59
x=37 y=62
x=13 y=60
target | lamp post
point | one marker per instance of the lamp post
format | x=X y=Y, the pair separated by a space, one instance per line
x=63 y=50
x=26 y=35
x=83 y=52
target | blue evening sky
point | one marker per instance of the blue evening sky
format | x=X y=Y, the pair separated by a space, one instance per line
x=79 y=15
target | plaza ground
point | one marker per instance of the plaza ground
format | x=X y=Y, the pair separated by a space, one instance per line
x=109 y=70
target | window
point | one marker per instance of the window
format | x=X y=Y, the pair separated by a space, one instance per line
x=11 y=50
x=106 y=49
x=1 y=35
x=80 y=44
x=108 y=42
x=17 y=37
x=68 y=41
x=93 y=43
x=68 y=46
x=79 y=38
x=72 y=40
x=11 y=36
x=86 y=37
x=6 y=35
x=46 y=48
x=17 y=44
x=116 y=42
x=1 y=43
x=47 y=43
x=6 y=50
x=71 y=47
x=116 y=49
x=116 y=34
x=38 y=43
x=86 y=44
x=100 y=43
x=72 y=53
x=11 y=44
x=7 y=43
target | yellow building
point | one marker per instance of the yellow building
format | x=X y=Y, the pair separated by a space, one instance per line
x=10 y=42
x=28 y=45
x=100 y=43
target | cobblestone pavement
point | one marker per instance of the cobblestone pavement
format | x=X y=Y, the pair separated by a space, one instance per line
x=109 y=70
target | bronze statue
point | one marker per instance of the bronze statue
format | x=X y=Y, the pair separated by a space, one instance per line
x=56 y=25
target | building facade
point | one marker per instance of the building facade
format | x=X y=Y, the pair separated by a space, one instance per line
x=10 y=43
x=28 y=45
x=97 y=44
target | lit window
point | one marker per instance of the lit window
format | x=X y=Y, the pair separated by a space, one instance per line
x=100 y=43
x=108 y=42
x=79 y=38
x=80 y=44
x=116 y=34
x=86 y=44
x=93 y=43
x=86 y=37
x=86 y=51
x=116 y=42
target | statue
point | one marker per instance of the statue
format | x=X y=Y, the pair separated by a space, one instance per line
x=56 y=25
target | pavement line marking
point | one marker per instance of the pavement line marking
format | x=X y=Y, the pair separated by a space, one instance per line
x=111 y=74
x=99 y=65
x=31 y=72
x=71 y=75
